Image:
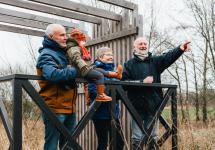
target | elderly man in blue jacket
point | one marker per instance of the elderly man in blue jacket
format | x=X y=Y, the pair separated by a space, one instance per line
x=59 y=90
x=147 y=68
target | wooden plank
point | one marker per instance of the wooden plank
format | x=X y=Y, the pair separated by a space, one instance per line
x=125 y=19
x=119 y=43
x=105 y=27
x=78 y=7
x=135 y=17
x=29 y=16
x=121 y=3
x=113 y=36
x=51 y=10
x=23 y=22
x=140 y=25
x=114 y=29
x=21 y=30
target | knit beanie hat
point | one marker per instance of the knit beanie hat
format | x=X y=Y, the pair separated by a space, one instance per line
x=77 y=35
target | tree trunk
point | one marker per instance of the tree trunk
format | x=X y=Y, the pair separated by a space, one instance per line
x=177 y=78
x=204 y=98
x=196 y=89
x=186 y=96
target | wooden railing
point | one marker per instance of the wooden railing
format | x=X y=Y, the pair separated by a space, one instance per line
x=19 y=82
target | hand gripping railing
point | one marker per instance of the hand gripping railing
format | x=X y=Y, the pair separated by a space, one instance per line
x=20 y=81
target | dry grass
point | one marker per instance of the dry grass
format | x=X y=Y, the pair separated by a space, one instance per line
x=193 y=136
x=32 y=136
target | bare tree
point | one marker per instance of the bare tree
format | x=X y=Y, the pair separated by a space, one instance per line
x=186 y=88
x=178 y=79
x=203 y=12
x=204 y=17
x=204 y=107
x=196 y=87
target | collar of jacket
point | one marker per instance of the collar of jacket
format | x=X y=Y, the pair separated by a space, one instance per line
x=105 y=66
x=49 y=43
x=146 y=59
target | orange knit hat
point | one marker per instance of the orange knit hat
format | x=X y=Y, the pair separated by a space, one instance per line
x=77 y=35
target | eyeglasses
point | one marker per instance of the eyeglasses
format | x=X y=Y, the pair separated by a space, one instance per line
x=108 y=54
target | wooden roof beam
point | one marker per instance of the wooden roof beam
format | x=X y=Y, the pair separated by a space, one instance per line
x=121 y=3
x=21 y=30
x=33 y=17
x=22 y=22
x=51 y=10
x=78 y=7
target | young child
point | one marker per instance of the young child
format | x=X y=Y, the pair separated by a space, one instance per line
x=102 y=118
x=80 y=57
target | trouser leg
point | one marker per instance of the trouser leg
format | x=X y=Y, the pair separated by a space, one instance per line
x=137 y=134
x=102 y=128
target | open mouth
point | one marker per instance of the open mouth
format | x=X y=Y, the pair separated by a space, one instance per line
x=143 y=48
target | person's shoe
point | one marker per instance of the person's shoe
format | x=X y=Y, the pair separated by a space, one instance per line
x=101 y=96
x=117 y=74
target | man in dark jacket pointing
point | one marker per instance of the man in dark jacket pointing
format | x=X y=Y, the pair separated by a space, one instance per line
x=148 y=69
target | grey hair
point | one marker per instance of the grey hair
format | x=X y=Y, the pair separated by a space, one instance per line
x=50 y=29
x=139 y=39
x=101 y=51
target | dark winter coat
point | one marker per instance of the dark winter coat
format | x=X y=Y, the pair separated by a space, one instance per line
x=146 y=100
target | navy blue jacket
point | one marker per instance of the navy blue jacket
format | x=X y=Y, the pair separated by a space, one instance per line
x=54 y=63
x=146 y=100
x=59 y=89
x=103 y=112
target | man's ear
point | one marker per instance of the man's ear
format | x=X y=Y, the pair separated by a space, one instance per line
x=50 y=36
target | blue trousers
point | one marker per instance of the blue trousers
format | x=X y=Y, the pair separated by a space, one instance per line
x=53 y=137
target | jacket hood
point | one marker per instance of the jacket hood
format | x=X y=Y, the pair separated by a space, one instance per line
x=49 y=43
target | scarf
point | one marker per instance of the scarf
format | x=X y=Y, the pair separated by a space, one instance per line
x=85 y=53
x=140 y=54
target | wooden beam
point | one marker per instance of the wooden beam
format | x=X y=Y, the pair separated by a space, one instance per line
x=21 y=30
x=51 y=10
x=33 y=17
x=121 y=3
x=22 y=22
x=113 y=36
x=78 y=7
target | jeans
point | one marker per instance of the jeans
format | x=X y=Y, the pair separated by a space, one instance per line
x=52 y=136
x=137 y=134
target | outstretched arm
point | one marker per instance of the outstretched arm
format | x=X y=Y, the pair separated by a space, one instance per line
x=165 y=60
